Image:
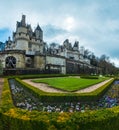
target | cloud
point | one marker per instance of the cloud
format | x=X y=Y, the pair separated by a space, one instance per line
x=94 y=23
x=51 y=31
x=115 y=61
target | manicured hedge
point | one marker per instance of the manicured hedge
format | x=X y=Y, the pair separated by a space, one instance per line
x=66 y=97
x=12 y=118
x=41 y=76
x=89 y=77
x=6 y=98
x=95 y=95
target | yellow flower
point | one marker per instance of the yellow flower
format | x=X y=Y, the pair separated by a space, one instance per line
x=11 y=112
x=63 y=117
x=24 y=117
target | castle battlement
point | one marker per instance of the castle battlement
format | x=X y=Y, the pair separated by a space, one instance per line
x=21 y=36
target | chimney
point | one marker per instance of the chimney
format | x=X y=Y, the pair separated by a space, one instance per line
x=23 y=21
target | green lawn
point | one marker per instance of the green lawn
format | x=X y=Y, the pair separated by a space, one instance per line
x=69 y=83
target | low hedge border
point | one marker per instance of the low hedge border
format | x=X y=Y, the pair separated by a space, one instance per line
x=6 y=98
x=89 y=77
x=41 y=76
x=66 y=97
x=12 y=118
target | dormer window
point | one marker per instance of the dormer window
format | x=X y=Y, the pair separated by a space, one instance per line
x=72 y=58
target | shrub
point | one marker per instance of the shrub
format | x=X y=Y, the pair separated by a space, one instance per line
x=6 y=99
x=89 y=77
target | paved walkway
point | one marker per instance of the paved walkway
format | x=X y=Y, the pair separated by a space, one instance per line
x=46 y=88
x=1 y=85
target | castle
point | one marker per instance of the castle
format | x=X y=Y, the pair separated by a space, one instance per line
x=27 y=52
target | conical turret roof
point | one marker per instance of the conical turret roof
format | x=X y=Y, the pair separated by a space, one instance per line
x=38 y=28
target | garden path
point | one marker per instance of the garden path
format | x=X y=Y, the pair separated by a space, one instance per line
x=43 y=87
x=1 y=85
x=46 y=88
x=93 y=87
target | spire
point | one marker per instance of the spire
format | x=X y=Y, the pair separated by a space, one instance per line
x=23 y=21
x=9 y=39
x=67 y=44
x=38 y=28
x=76 y=46
x=38 y=33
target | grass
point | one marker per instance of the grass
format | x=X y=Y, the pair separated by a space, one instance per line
x=69 y=83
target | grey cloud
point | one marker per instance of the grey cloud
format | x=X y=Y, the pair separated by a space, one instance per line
x=51 y=31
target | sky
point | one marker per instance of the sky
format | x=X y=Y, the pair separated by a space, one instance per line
x=94 y=23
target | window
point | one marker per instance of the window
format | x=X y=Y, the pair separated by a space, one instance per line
x=29 y=45
x=71 y=58
x=10 y=62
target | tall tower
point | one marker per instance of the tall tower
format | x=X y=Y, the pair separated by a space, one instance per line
x=25 y=39
x=21 y=37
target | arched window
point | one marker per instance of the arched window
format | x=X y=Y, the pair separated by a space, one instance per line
x=10 y=62
x=29 y=62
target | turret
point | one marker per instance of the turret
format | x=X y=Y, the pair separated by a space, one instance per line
x=25 y=39
x=76 y=46
x=38 y=33
x=21 y=26
x=9 y=44
x=29 y=31
x=67 y=44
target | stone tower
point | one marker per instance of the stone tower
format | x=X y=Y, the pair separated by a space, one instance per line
x=26 y=39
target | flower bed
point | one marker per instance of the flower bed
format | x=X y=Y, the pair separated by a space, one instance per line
x=28 y=100
x=12 y=118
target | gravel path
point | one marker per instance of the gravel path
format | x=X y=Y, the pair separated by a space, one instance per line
x=93 y=87
x=46 y=88
x=43 y=87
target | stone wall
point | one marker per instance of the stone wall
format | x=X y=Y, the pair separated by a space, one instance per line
x=56 y=62
x=39 y=62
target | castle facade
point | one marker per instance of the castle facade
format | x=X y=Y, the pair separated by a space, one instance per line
x=27 y=52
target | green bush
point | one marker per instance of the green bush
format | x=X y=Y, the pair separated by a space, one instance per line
x=89 y=77
x=6 y=99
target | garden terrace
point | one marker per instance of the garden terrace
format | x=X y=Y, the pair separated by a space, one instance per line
x=12 y=118
x=66 y=97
